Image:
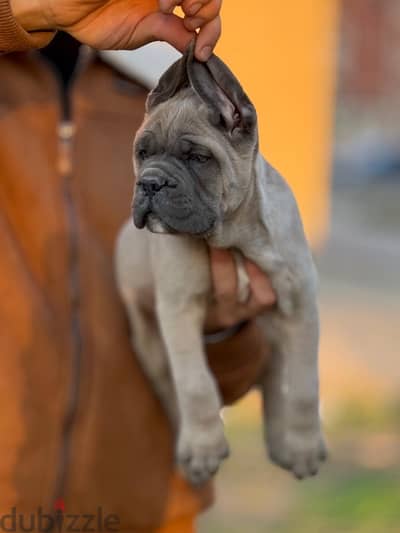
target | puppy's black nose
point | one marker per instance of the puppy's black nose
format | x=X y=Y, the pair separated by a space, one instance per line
x=151 y=185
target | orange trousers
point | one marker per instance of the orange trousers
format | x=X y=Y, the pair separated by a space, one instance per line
x=182 y=525
x=184 y=505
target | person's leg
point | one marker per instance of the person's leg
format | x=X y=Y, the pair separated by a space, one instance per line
x=181 y=525
x=184 y=505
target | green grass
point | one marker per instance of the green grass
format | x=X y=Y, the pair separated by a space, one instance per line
x=360 y=501
x=357 y=416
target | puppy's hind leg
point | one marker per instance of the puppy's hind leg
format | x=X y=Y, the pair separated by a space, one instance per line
x=151 y=353
x=290 y=392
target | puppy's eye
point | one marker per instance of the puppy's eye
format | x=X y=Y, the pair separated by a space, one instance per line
x=199 y=158
x=142 y=154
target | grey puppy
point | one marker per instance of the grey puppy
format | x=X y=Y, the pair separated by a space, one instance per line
x=202 y=181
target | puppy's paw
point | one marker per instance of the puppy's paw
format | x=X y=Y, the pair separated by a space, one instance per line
x=200 y=453
x=299 y=453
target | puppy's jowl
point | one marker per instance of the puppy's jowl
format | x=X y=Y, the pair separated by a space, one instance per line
x=201 y=180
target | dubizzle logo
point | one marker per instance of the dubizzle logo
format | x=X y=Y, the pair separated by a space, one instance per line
x=59 y=522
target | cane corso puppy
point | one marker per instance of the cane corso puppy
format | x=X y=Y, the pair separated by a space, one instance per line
x=201 y=181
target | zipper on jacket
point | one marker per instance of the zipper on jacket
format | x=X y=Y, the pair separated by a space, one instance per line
x=66 y=135
x=66 y=132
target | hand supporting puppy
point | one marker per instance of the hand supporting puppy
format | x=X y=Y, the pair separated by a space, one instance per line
x=125 y=24
x=226 y=309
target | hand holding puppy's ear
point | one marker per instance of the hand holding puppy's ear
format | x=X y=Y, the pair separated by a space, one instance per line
x=200 y=15
x=116 y=25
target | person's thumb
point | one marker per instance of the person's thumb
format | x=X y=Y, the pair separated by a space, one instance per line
x=162 y=27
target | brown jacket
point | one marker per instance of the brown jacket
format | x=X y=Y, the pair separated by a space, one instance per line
x=78 y=420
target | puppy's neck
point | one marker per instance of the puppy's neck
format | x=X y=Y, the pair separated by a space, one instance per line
x=245 y=223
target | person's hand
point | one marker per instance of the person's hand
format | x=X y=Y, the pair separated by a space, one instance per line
x=203 y=14
x=125 y=24
x=226 y=311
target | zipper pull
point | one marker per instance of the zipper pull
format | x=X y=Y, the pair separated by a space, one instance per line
x=66 y=133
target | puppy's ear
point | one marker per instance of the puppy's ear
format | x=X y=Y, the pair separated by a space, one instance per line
x=173 y=80
x=230 y=107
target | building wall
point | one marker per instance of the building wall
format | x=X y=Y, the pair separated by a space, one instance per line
x=284 y=54
x=370 y=49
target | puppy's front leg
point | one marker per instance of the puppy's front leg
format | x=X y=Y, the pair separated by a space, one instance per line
x=182 y=287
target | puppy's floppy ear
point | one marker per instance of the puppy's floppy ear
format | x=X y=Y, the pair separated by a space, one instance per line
x=173 y=80
x=230 y=107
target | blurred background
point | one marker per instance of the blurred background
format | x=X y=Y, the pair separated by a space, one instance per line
x=325 y=78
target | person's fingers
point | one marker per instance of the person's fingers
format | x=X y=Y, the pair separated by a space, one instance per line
x=204 y=16
x=260 y=285
x=252 y=308
x=207 y=39
x=203 y=9
x=224 y=278
x=220 y=316
x=167 y=6
x=192 y=7
x=162 y=27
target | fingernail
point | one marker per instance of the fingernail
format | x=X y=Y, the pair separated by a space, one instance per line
x=194 y=8
x=204 y=53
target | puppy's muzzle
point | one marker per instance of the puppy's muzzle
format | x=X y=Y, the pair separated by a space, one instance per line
x=150 y=190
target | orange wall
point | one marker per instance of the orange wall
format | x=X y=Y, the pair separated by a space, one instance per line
x=283 y=53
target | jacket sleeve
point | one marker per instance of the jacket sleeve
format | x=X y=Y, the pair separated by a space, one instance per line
x=13 y=38
x=238 y=362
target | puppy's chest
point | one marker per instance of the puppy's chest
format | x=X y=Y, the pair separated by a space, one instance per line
x=226 y=235
x=244 y=235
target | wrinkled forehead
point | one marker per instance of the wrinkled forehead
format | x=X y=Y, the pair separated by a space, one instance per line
x=184 y=115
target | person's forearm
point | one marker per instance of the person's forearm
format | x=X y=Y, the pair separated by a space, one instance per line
x=30 y=15
x=20 y=26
